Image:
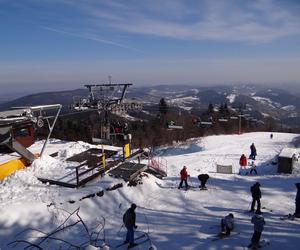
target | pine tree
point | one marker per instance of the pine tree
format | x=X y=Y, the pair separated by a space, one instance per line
x=210 y=109
x=163 y=107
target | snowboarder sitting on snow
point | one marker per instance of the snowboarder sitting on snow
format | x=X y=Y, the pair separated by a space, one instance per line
x=253 y=168
x=227 y=224
x=183 y=177
x=203 y=179
x=129 y=222
x=297 y=201
x=259 y=222
x=243 y=161
x=253 y=152
x=256 y=196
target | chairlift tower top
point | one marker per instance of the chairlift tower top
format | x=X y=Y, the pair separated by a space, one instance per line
x=104 y=95
x=105 y=98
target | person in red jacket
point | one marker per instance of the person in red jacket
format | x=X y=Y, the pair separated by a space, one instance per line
x=183 y=176
x=243 y=161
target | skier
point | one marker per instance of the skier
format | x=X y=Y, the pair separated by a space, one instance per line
x=253 y=168
x=297 y=201
x=129 y=222
x=271 y=136
x=253 y=152
x=259 y=222
x=256 y=196
x=203 y=179
x=227 y=224
x=243 y=161
x=183 y=176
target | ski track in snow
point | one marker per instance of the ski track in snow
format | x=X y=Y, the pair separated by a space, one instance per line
x=174 y=219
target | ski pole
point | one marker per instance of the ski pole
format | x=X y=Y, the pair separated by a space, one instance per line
x=120 y=229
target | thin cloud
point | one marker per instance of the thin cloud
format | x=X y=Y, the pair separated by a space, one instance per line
x=91 y=37
x=255 y=21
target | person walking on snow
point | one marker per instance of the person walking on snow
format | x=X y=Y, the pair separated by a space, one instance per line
x=227 y=224
x=129 y=222
x=256 y=196
x=297 y=201
x=243 y=161
x=253 y=168
x=253 y=152
x=183 y=178
x=258 y=221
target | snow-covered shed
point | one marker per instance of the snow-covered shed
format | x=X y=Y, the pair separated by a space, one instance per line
x=286 y=159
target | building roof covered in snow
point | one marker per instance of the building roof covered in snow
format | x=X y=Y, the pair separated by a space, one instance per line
x=288 y=152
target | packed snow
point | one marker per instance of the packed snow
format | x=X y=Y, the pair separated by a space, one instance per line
x=173 y=219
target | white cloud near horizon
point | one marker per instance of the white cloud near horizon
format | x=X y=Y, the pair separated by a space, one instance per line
x=193 y=71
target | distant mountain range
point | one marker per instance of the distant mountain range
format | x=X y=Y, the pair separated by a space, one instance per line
x=259 y=101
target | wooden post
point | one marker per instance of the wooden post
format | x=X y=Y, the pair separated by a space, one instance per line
x=103 y=157
x=77 y=178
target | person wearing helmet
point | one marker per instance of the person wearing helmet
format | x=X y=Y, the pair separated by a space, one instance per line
x=129 y=223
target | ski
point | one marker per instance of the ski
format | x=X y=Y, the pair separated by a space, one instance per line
x=267 y=209
x=221 y=236
x=288 y=217
x=125 y=243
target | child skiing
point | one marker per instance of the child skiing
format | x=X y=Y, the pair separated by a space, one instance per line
x=183 y=178
x=259 y=222
x=203 y=179
x=253 y=168
x=227 y=224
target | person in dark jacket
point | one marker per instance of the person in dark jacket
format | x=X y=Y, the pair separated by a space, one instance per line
x=227 y=224
x=297 y=201
x=129 y=223
x=203 y=179
x=183 y=178
x=258 y=221
x=256 y=196
x=253 y=152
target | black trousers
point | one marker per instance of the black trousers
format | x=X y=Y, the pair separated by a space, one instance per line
x=224 y=228
x=253 y=204
x=255 y=237
x=181 y=182
x=297 y=210
x=253 y=169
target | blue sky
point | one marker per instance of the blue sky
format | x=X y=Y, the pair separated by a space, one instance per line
x=63 y=44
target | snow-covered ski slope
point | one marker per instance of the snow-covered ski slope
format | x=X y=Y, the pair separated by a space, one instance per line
x=174 y=219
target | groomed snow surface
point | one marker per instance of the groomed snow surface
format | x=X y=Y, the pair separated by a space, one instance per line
x=174 y=219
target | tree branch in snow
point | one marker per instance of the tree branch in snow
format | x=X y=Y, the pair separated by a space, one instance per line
x=93 y=235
